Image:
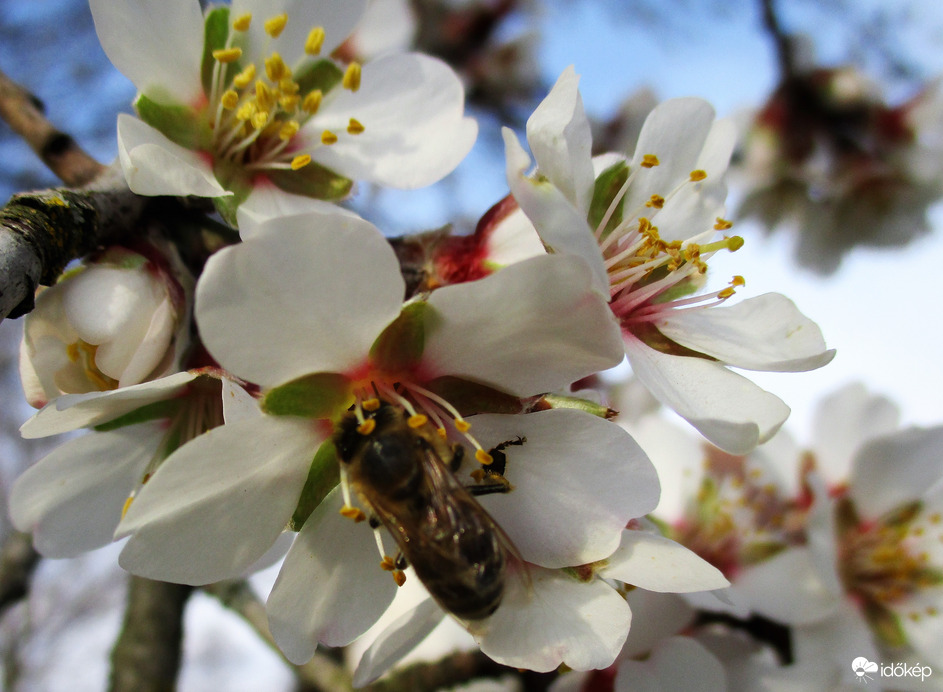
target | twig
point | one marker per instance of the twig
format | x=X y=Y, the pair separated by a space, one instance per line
x=146 y=657
x=23 y=112
x=785 y=48
x=17 y=561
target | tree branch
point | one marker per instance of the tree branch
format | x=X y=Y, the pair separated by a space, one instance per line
x=146 y=657
x=17 y=561
x=785 y=49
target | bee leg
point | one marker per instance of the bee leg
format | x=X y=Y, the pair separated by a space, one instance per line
x=388 y=563
x=499 y=464
x=400 y=561
x=458 y=454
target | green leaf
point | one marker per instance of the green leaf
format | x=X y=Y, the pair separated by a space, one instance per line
x=322 y=395
x=215 y=35
x=609 y=182
x=323 y=475
x=180 y=124
x=313 y=180
x=152 y=411
x=399 y=347
x=321 y=74
x=471 y=397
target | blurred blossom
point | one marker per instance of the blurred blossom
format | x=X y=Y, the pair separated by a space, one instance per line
x=830 y=158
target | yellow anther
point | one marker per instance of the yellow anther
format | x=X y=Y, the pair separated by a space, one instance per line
x=734 y=243
x=275 y=25
x=328 y=137
x=353 y=513
x=227 y=55
x=726 y=293
x=288 y=130
x=399 y=577
x=698 y=175
x=229 y=99
x=722 y=224
x=244 y=78
x=355 y=127
x=275 y=68
x=301 y=161
x=649 y=161
x=263 y=95
x=442 y=433
x=367 y=426
x=242 y=22
x=387 y=564
x=259 y=120
x=127 y=505
x=417 y=420
x=370 y=404
x=656 y=201
x=483 y=457
x=478 y=475
x=288 y=102
x=462 y=425
x=738 y=281
x=314 y=41
x=312 y=101
x=351 y=78
x=246 y=111
x=288 y=86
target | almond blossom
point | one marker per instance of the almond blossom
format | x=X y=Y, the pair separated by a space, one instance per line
x=332 y=292
x=239 y=106
x=648 y=227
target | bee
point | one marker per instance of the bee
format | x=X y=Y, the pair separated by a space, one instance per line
x=405 y=478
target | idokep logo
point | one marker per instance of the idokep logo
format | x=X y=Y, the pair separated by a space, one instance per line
x=866 y=670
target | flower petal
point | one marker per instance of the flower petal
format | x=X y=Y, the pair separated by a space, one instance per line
x=157 y=44
x=267 y=202
x=676 y=664
x=561 y=142
x=535 y=326
x=556 y=517
x=308 y=294
x=74 y=411
x=219 y=502
x=659 y=564
x=153 y=165
x=728 y=409
x=559 y=620
x=763 y=333
x=331 y=588
x=411 y=107
x=561 y=226
x=71 y=499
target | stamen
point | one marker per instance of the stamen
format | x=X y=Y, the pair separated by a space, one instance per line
x=698 y=175
x=227 y=55
x=328 y=137
x=722 y=224
x=399 y=577
x=288 y=130
x=367 y=427
x=275 y=25
x=315 y=41
x=351 y=78
x=656 y=201
x=372 y=404
x=127 y=505
x=242 y=22
x=354 y=513
x=229 y=100
x=417 y=420
x=300 y=161
x=483 y=457
x=275 y=68
x=649 y=161
x=355 y=127
x=244 y=78
x=312 y=101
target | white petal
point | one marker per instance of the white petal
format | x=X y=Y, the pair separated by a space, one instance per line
x=728 y=409
x=71 y=499
x=386 y=26
x=513 y=239
x=659 y=564
x=397 y=640
x=788 y=588
x=153 y=165
x=331 y=588
x=337 y=17
x=837 y=639
x=678 y=664
x=157 y=44
x=924 y=631
x=305 y=295
x=556 y=517
x=562 y=227
x=238 y=404
x=660 y=614
x=73 y=411
x=411 y=107
x=561 y=142
x=535 y=326
x=266 y=201
x=561 y=620
x=219 y=502
x=897 y=469
x=763 y=333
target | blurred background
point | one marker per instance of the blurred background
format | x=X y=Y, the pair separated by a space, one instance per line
x=835 y=193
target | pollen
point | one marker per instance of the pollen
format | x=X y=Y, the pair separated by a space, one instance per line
x=738 y=281
x=399 y=576
x=275 y=68
x=351 y=78
x=462 y=425
x=288 y=130
x=367 y=426
x=726 y=292
x=734 y=243
x=371 y=404
x=355 y=127
x=229 y=100
x=227 y=55
x=275 y=25
x=127 y=505
x=417 y=420
x=328 y=137
x=649 y=161
x=314 y=41
x=259 y=120
x=698 y=175
x=387 y=564
x=244 y=78
x=242 y=22
x=353 y=513
x=312 y=102
x=300 y=161
x=722 y=224
x=656 y=201
x=483 y=457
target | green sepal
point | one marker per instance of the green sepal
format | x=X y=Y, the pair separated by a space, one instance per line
x=609 y=182
x=215 y=35
x=759 y=551
x=649 y=335
x=232 y=177
x=313 y=180
x=322 y=395
x=591 y=407
x=399 y=347
x=320 y=74
x=323 y=475
x=885 y=624
x=471 y=397
x=153 y=411
x=179 y=123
